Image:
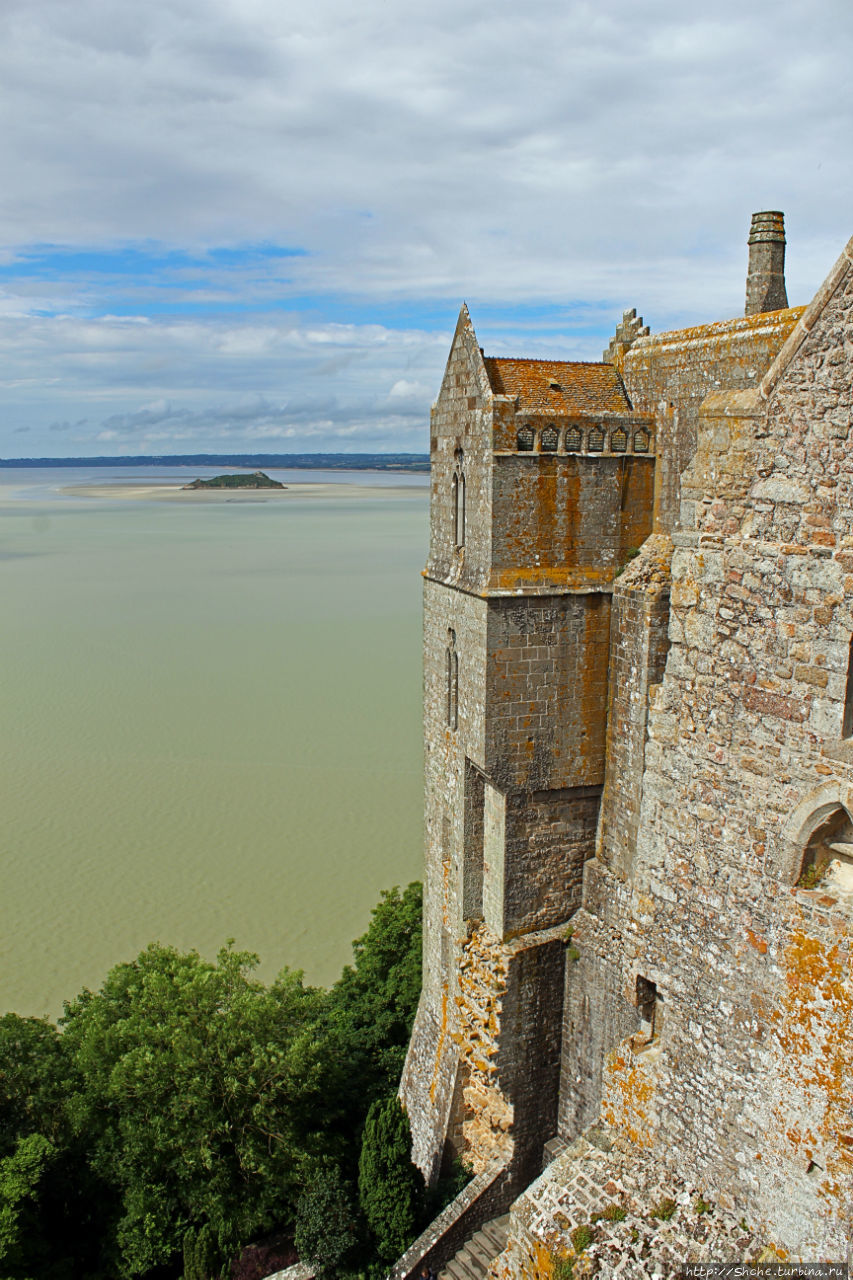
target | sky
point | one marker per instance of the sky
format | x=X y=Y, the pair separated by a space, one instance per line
x=249 y=224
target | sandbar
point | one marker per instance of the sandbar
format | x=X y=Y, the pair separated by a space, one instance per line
x=177 y=493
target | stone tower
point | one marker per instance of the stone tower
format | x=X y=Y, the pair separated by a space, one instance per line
x=695 y=952
x=765 y=280
x=542 y=488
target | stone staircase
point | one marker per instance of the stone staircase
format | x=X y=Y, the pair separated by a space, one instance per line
x=476 y=1255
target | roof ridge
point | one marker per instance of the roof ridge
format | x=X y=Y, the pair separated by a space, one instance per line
x=598 y=364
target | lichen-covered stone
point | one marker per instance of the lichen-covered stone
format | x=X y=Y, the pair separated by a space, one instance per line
x=639 y=812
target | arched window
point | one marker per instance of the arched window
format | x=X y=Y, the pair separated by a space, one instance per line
x=525 y=439
x=573 y=439
x=619 y=440
x=550 y=439
x=641 y=440
x=595 y=441
x=457 y=498
x=828 y=854
x=452 y=668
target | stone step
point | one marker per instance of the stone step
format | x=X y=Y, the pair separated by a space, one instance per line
x=480 y=1250
x=496 y=1235
x=473 y=1260
x=460 y=1268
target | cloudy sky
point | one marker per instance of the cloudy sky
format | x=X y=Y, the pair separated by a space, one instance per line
x=249 y=224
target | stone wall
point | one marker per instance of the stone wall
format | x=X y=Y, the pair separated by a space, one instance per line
x=638 y=648
x=546 y=693
x=613 y=1213
x=669 y=374
x=460 y=447
x=736 y=979
x=516 y=643
x=639 y=789
x=453 y=761
x=567 y=520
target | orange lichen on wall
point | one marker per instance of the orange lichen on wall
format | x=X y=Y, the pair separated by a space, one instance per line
x=442 y=1034
x=488 y=1115
x=547 y=577
x=814 y=1033
x=760 y=944
x=629 y=1089
x=530 y=1260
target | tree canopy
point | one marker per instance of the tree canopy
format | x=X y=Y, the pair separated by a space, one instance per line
x=187 y=1108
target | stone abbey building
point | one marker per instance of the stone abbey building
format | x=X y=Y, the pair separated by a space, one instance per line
x=638 y=717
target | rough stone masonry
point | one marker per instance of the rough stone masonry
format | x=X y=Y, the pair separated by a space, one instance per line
x=638 y=720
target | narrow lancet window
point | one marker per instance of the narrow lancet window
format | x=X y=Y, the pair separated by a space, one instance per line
x=454 y=721
x=847 y=722
x=457 y=497
x=460 y=511
x=452 y=670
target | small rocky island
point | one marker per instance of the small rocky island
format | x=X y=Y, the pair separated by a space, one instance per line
x=257 y=480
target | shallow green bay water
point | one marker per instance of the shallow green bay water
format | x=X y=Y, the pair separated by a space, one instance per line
x=209 y=725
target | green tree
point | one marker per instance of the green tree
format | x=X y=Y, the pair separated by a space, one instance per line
x=202 y=1098
x=65 y=1205
x=390 y=1188
x=24 y=1251
x=200 y=1254
x=34 y=1081
x=370 y=1013
x=325 y=1221
x=185 y=1108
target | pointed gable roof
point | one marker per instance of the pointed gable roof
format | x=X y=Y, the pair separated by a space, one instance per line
x=559 y=387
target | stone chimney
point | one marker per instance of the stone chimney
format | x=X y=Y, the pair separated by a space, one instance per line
x=765 y=280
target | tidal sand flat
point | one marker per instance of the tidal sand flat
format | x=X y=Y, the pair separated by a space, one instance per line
x=179 y=493
x=209 y=719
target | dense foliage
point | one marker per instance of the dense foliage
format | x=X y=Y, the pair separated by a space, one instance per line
x=390 y=1188
x=187 y=1109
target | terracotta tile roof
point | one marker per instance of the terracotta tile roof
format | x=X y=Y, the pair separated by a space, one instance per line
x=559 y=387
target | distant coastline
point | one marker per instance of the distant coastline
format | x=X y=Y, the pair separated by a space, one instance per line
x=288 y=461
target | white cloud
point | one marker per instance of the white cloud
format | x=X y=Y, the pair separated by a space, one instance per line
x=608 y=155
x=225 y=385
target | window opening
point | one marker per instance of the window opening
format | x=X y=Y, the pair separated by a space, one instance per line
x=828 y=855
x=454 y=722
x=460 y=511
x=525 y=440
x=596 y=440
x=452 y=672
x=641 y=441
x=648 y=1007
x=619 y=440
x=550 y=439
x=454 y=497
x=573 y=439
x=457 y=498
